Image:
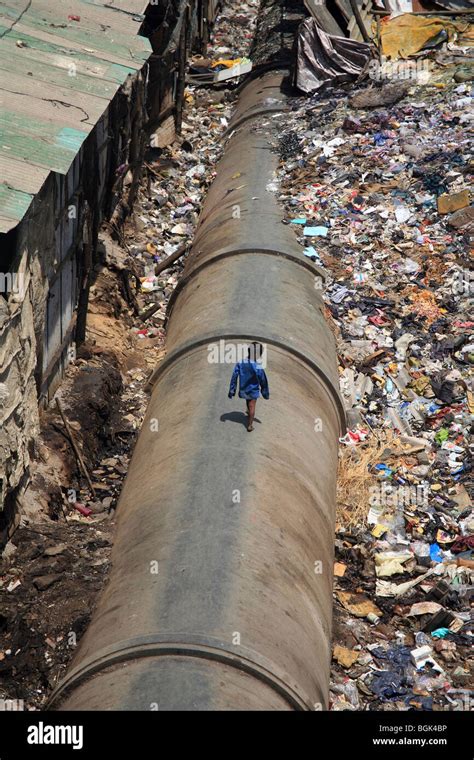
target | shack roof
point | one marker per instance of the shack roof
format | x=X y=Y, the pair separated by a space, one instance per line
x=61 y=64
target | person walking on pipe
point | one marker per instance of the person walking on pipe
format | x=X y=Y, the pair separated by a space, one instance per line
x=252 y=379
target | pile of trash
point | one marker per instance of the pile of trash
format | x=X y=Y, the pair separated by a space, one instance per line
x=180 y=174
x=376 y=183
x=203 y=70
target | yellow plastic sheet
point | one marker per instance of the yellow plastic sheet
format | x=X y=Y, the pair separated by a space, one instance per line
x=226 y=62
x=405 y=35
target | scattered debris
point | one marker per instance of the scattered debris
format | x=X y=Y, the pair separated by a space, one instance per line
x=391 y=184
x=345 y=657
x=358 y=604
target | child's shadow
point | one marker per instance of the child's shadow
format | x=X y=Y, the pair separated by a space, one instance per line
x=237 y=417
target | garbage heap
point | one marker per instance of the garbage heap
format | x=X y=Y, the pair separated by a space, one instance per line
x=180 y=173
x=375 y=179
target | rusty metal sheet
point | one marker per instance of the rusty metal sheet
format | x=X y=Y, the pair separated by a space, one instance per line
x=58 y=76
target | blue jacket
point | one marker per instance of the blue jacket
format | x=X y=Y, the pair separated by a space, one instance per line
x=251 y=378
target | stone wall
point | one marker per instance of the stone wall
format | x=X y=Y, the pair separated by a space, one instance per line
x=19 y=417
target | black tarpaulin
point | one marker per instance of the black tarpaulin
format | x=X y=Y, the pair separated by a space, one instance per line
x=324 y=57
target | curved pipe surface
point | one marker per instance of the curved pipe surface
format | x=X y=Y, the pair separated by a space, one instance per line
x=220 y=594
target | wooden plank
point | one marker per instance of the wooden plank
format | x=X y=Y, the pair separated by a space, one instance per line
x=323 y=17
x=345 y=8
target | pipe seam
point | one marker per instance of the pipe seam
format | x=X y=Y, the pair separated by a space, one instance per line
x=236 y=252
x=215 y=338
x=203 y=647
x=233 y=127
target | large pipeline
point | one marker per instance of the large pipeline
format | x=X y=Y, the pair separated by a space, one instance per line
x=220 y=594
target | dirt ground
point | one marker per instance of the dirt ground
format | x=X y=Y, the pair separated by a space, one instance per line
x=59 y=557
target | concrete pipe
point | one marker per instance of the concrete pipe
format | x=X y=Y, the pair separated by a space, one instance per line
x=220 y=594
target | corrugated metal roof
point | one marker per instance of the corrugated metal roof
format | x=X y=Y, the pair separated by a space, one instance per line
x=57 y=76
